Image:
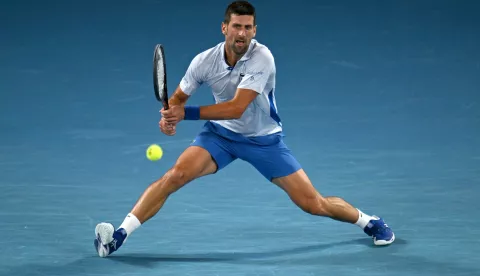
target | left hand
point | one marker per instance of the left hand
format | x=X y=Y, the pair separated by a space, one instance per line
x=174 y=114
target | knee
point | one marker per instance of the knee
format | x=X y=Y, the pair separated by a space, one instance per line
x=175 y=178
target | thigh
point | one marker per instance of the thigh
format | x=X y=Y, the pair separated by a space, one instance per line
x=272 y=161
x=219 y=149
x=195 y=162
x=297 y=185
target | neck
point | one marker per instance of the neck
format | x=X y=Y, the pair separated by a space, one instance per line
x=231 y=58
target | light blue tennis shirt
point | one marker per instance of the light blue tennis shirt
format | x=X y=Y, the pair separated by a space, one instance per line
x=255 y=70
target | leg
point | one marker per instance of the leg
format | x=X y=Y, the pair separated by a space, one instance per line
x=194 y=162
x=301 y=191
x=208 y=154
x=276 y=163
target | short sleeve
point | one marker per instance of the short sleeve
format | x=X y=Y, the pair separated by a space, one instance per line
x=193 y=77
x=258 y=71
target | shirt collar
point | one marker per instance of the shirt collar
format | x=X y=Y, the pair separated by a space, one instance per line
x=245 y=57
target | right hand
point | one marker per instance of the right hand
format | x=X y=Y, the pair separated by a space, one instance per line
x=167 y=128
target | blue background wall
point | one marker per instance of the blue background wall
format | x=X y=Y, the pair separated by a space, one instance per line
x=380 y=102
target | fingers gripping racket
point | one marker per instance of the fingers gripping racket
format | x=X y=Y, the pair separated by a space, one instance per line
x=160 y=76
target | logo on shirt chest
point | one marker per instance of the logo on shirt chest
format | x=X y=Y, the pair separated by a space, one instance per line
x=240 y=77
x=252 y=78
x=251 y=74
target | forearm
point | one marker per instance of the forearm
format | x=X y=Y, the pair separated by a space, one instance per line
x=232 y=109
x=220 y=111
x=178 y=98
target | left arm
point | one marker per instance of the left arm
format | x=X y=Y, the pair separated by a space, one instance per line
x=253 y=83
x=232 y=109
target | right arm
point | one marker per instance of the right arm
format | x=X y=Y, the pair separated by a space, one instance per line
x=178 y=98
x=189 y=83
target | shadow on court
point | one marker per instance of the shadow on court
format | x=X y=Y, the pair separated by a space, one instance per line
x=387 y=259
x=148 y=260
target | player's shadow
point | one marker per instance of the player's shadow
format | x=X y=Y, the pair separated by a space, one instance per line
x=148 y=260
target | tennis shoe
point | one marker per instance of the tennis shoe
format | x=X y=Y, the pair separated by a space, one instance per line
x=107 y=239
x=379 y=231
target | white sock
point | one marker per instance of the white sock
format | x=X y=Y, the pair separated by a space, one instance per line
x=130 y=224
x=363 y=219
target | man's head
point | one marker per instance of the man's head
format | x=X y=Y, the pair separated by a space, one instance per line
x=239 y=26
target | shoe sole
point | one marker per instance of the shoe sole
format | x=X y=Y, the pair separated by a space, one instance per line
x=104 y=236
x=384 y=242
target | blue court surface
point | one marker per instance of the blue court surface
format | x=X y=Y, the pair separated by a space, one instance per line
x=380 y=102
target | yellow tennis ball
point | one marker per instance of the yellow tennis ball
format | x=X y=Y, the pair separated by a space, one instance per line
x=154 y=152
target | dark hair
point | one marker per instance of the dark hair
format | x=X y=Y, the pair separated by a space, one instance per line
x=239 y=8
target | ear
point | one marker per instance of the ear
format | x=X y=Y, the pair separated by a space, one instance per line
x=224 y=28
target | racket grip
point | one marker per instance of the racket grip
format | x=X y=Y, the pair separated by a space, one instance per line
x=165 y=105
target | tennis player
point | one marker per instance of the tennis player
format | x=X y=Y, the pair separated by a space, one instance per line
x=243 y=124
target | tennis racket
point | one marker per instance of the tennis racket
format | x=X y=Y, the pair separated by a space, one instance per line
x=160 y=76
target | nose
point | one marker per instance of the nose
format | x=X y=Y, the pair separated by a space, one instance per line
x=242 y=32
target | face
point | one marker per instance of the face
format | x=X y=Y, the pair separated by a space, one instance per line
x=239 y=33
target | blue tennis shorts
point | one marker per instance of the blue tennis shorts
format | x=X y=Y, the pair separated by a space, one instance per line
x=268 y=154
